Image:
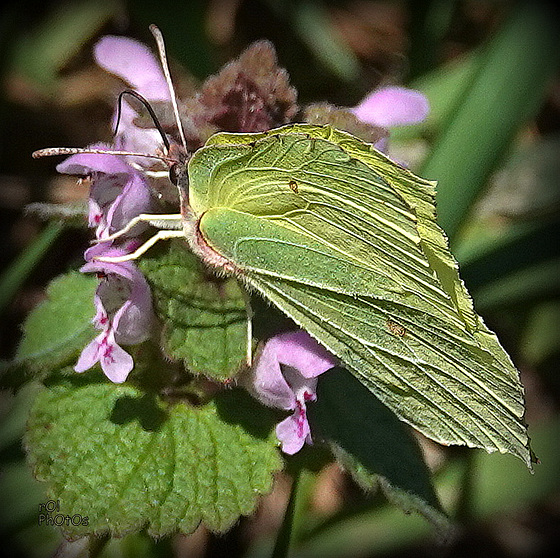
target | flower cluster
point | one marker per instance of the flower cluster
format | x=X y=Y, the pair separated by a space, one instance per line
x=120 y=191
x=250 y=94
x=123 y=313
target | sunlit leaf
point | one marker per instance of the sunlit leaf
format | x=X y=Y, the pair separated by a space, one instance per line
x=126 y=460
x=204 y=318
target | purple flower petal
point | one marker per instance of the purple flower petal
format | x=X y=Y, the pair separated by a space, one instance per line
x=125 y=269
x=135 y=63
x=131 y=137
x=101 y=318
x=392 y=106
x=382 y=145
x=286 y=377
x=118 y=192
x=299 y=350
x=134 y=199
x=306 y=360
x=133 y=322
x=115 y=362
x=293 y=432
x=90 y=354
x=269 y=381
x=86 y=164
x=95 y=214
x=129 y=304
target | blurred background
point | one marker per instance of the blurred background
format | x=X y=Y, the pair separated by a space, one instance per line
x=490 y=71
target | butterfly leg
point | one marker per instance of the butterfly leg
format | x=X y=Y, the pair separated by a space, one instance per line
x=249 y=310
x=161 y=235
x=147 y=218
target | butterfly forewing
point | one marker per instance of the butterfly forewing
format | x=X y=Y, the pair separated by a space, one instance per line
x=339 y=239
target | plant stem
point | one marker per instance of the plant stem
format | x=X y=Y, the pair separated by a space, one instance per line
x=297 y=505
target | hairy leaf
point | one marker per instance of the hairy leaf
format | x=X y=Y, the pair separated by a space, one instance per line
x=127 y=460
x=59 y=328
x=205 y=319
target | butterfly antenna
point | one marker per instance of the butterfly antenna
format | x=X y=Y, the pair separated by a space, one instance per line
x=51 y=151
x=163 y=57
x=148 y=108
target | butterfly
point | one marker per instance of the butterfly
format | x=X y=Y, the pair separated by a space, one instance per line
x=345 y=242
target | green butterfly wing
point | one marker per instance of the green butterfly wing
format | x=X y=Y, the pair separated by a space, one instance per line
x=345 y=242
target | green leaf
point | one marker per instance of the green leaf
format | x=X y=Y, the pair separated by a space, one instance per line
x=60 y=327
x=13 y=277
x=44 y=51
x=373 y=443
x=529 y=284
x=312 y=23
x=526 y=186
x=204 y=317
x=127 y=460
x=430 y=22
x=444 y=88
x=505 y=91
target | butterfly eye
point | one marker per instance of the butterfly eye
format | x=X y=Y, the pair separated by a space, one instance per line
x=174 y=173
x=178 y=175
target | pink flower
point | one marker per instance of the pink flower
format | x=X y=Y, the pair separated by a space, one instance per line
x=286 y=377
x=392 y=106
x=124 y=313
x=115 y=362
x=136 y=64
x=118 y=192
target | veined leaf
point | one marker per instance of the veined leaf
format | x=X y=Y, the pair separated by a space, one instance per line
x=344 y=241
x=125 y=460
x=205 y=319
